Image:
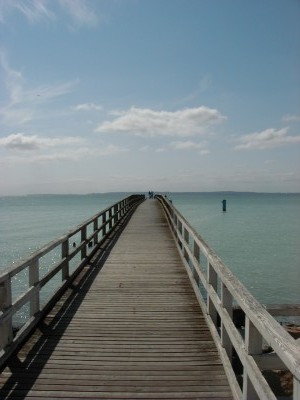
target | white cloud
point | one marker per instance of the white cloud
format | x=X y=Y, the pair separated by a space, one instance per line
x=19 y=141
x=11 y=115
x=147 y=122
x=69 y=155
x=187 y=145
x=81 y=153
x=144 y=148
x=34 y=149
x=88 y=107
x=40 y=10
x=268 y=162
x=204 y=152
x=110 y=149
x=266 y=139
x=190 y=145
x=291 y=118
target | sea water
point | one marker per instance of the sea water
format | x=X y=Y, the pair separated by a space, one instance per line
x=257 y=237
x=29 y=222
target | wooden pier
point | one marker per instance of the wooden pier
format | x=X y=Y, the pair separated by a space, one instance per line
x=132 y=325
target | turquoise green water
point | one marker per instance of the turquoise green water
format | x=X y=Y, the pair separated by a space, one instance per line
x=29 y=222
x=257 y=238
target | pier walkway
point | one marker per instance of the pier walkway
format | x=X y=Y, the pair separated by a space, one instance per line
x=134 y=304
x=130 y=330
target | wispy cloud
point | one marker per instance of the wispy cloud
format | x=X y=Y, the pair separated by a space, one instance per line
x=32 y=10
x=267 y=139
x=88 y=107
x=200 y=148
x=44 y=93
x=291 y=118
x=34 y=149
x=205 y=83
x=23 y=102
x=80 y=12
x=81 y=153
x=13 y=79
x=19 y=141
x=36 y=11
x=69 y=155
x=151 y=123
x=185 y=145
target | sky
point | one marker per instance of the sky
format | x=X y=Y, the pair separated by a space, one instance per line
x=136 y=95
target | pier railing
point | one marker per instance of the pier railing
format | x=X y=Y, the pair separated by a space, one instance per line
x=56 y=264
x=218 y=292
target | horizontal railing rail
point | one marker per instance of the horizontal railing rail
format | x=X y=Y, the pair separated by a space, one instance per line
x=219 y=292
x=64 y=259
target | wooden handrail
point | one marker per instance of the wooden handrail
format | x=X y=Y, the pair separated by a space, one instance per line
x=102 y=224
x=220 y=290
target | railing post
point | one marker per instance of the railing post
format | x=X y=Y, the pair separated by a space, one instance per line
x=65 y=254
x=186 y=239
x=196 y=252
x=253 y=345
x=197 y=256
x=179 y=229
x=96 y=239
x=116 y=214
x=226 y=299
x=33 y=281
x=296 y=389
x=121 y=208
x=213 y=281
x=83 y=238
x=104 y=224
x=6 y=336
x=110 y=218
x=175 y=219
x=186 y=236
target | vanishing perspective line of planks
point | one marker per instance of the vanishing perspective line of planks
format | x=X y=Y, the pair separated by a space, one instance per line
x=130 y=330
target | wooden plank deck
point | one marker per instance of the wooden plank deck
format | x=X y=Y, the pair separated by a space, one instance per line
x=134 y=330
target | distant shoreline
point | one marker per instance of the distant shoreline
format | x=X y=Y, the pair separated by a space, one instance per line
x=229 y=192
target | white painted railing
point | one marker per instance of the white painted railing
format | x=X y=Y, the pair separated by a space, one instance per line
x=218 y=291
x=60 y=261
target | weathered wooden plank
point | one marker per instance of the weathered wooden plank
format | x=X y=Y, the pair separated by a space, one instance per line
x=144 y=369
x=122 y=376
x=130 y=387
x=53 y=395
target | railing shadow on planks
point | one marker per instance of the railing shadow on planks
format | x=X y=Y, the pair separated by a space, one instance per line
x=218 y=292
x=57 y=264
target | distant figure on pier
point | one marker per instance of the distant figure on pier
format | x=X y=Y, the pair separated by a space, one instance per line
x=151 y=194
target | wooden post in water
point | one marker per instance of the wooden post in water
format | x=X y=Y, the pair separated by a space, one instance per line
x=224 y=205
